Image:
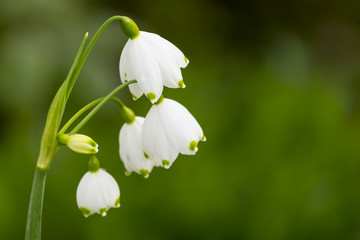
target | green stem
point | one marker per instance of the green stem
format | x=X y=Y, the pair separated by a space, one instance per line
x=49 y=143
x=33 y=225
x=89 y=47
x=97 y=108
x=84 y=109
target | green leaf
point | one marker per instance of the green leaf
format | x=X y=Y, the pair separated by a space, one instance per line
x=48 y=145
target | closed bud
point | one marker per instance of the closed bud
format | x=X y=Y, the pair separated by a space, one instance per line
x=79 y=143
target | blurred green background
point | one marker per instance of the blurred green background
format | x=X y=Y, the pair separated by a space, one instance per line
x=274 y=84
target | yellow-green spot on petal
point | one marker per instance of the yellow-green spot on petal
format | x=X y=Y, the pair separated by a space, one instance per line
x=181 y=83
x=127 y=173
x=125 y=75
x=93 y=151
x=186 y=60
x=86 y=212
x=161 y=99
x=146 y=155
x=144 y=172
x=103 y=211
x=151 y=96
x=193 y=145
x=165 y=163
x=117 y=202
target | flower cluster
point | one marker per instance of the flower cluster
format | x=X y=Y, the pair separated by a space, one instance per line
x=154 y=141
x=169 y=128
x=157 y=140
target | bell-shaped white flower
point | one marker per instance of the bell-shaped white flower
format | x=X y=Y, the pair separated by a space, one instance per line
x=170 y=129
x=97 y=192
x=130 y=149
x=153 y=62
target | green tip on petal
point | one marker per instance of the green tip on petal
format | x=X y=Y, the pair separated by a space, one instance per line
x=181 y=83
x=86 y=212
x=193 y=145
x=146 y=155
x=203 y=138
x=117 y=202
x=144 y=173
x=93 y=151
x=161 y=99
x=151 y=96
x=165 y=163
x=125 y=75
x=186 y=60
x=103 y=212
x=127 y=173
x=80 y=143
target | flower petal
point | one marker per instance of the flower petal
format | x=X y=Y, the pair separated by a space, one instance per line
x=145 y=68
x=109 y=188
x=88 y=194
x=155 y=139
x=126 y=72
x=180 y=126
x=131 y=151
x=97 y=192
x=164 y=46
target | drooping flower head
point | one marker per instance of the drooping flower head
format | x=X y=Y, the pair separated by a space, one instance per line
x=130 y=148
x=170 y=129
x=154 y=62
x=97 y=191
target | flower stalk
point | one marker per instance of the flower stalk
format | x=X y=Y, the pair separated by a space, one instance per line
x=99 y=105
x=48 y=148
x=33 y=226
x=49 y=143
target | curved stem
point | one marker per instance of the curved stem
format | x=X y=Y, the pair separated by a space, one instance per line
x=84 y=109
x=89 y=47
x=99 y=105
x=78 y=114
x=115 y=99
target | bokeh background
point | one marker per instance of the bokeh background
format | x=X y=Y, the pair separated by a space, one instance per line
x=274 y=84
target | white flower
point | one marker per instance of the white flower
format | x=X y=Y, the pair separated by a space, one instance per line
x=97 y=192
x=169 y=129
x=131 y=152
x=153 y=62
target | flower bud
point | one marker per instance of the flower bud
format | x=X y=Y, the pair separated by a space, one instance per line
x=79 y=143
